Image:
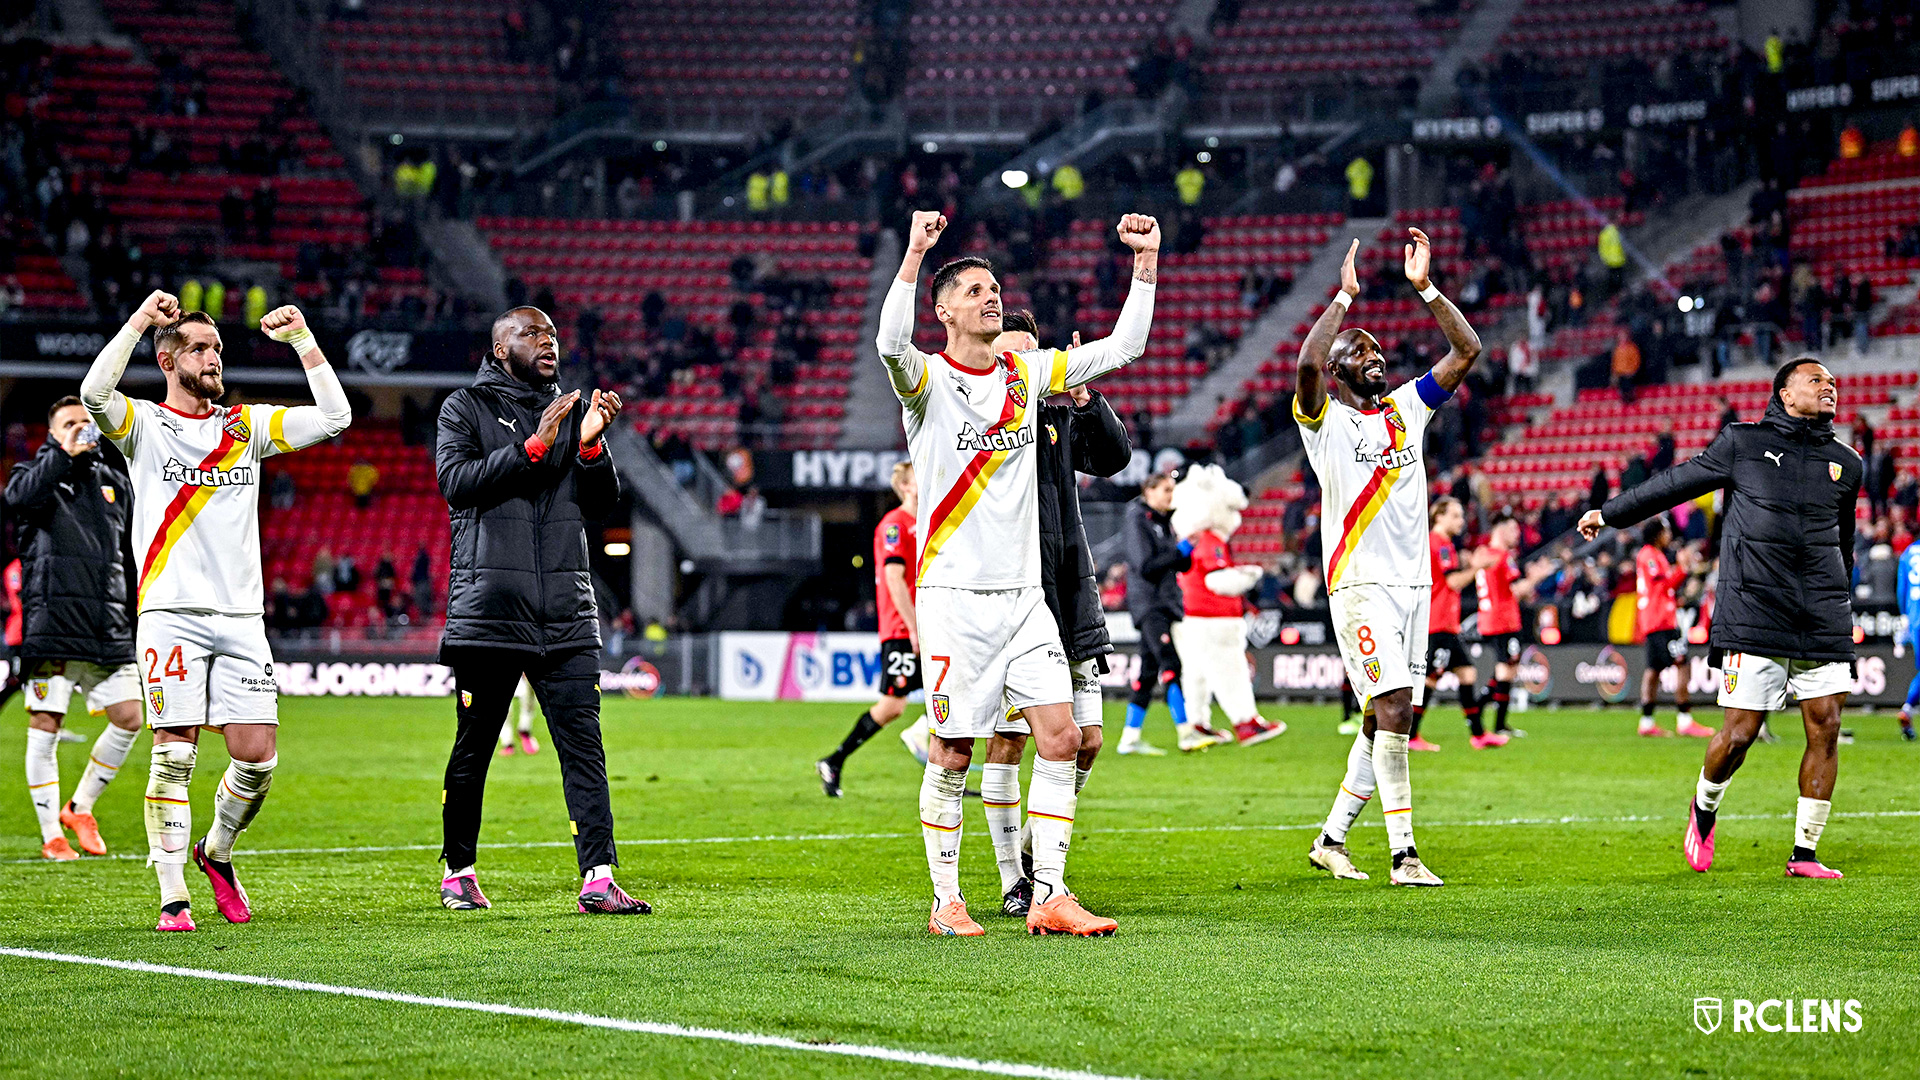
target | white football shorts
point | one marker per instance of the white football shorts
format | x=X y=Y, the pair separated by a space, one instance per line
x=203 y=668
x=1760 y=683
x=1088 y=701
x=985 y=651
x=1382 y=633
x=50 y=684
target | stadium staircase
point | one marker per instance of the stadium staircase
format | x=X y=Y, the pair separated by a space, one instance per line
x=873 y=413
x=1477 y=39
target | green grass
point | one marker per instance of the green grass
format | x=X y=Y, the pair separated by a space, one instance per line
x=1569 y=948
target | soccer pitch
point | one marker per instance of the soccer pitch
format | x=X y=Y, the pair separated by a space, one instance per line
x=1570 y=939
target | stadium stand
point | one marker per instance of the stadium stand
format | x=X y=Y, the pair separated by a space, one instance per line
x=1572 y=33
x=457 y=54
x=1278 y=45
x=741 y=62
x=1057 y=54
x=784 y=274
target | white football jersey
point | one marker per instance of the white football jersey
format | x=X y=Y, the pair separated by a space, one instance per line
x=196 y=503
x=971 y=436
x=1373 y=486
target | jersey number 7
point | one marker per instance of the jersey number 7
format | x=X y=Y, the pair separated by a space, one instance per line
x=945 y=662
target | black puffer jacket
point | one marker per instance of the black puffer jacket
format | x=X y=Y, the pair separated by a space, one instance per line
x=1786 y=545
x=1154 y=562
x=76 y=562
x=521 y=579
x=1092 y=440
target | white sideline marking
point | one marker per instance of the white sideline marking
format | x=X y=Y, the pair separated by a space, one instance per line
x=795 y=838
x=645 y=1027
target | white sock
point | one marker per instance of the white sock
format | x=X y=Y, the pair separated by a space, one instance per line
x=170 y=815
x=43 y=780
x=1396 y=788
x=525 y=697
x=1355 y=790
x=603 y=872
x=235 y=802
x=1000 y=795
x=1080 y=779
x=1683 y=719
x=465 y=871
x=109 y=753
x=506 y=732
x=1647 y=723
x=1809 y=821
x=1050 y=806
x=940 y=826
x=1707 y=795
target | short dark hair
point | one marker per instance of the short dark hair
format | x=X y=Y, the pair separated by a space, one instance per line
x=1500 y=517
x=1653 y=528
x=169 y=337
x=943 y=277
x=1154 y=481
x=1440 y=506
x=1787 y=369
x=1019 y=321
x=500 y=319
x=63 y=403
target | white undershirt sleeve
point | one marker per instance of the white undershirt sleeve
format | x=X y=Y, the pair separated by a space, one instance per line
x=305 y=425
x=906 y=367
x=106 y=405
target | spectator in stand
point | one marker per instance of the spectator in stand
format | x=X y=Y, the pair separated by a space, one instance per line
x=1862 y=311
x=1524 y=365
x=1879 y=480
x=362 y=480
x=1728 y=414
x=281 y=490
x=1599 y=489
x=1113 y=588
x=1906 y=493
x=323 y=568
x=283 y=608
x=346 y=574
x=729 y=503
x=1626 y=365
x=1663 y=449
x=422 y=579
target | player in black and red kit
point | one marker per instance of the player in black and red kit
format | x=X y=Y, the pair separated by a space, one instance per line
x=1445 y=651
x=894 y=553
x=1501 y=587
x=1656 y=620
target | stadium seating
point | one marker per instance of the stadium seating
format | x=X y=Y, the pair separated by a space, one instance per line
x=969 y=52
x=741 y=62
x=1285 y=45
x=611 y=266
x=1573 y=33
x=448 y=59
x=406 y=514
x=105 y=97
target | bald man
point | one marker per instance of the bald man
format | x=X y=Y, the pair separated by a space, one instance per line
x=522 y=468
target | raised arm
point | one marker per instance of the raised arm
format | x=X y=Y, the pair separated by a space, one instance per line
x=105 y=404
x=1709 y=470
x=1463 y=344
x=305 y=425
x=1310 y=381
x=1128 y=341
x=906 y=368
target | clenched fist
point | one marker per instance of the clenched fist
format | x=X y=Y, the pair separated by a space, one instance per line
x=925 y=230
x=283 y=324
x=1140 y=232
x=158 y=309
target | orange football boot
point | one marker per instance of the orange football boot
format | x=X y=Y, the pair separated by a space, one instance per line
x=84 y=827
x=58 y=850
x=953 y=920
x=1064 y=915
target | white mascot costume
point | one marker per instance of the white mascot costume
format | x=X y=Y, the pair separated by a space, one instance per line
x=1212 y=638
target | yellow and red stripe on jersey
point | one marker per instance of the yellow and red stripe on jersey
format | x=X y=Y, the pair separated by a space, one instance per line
x=186 y=505
x=966 y=491
x=1364 y=509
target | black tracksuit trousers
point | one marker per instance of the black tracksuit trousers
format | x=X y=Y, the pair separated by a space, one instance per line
x=567 y=685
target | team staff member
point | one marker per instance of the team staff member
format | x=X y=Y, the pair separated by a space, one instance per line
x=1656 y=581
x=522 y=467
x=893 y=556
x=1154 y=561
x=1783 y=619
x=1082 y=434
x=1445 y=651
x=1501 y=587
x=73 y=508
